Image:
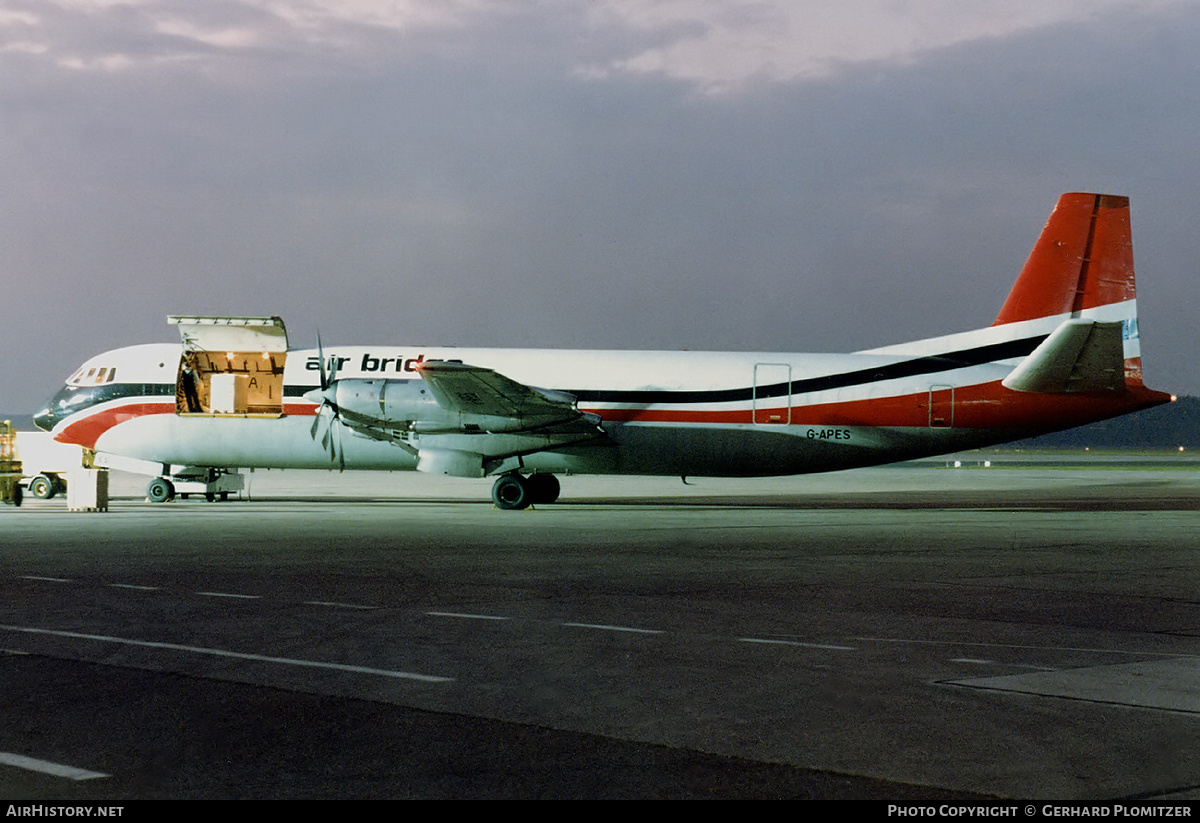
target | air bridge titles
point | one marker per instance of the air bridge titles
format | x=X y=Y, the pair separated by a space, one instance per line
x=368 y=363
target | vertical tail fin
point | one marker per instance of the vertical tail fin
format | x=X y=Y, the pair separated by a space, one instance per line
x=1083 y=260
x=1082 y=267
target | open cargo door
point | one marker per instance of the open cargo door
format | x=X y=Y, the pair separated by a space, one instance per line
x=230 y=365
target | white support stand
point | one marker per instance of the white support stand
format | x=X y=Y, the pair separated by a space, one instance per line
x=87 y=490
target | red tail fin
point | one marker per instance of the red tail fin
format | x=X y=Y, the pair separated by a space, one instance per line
x=1083 y=259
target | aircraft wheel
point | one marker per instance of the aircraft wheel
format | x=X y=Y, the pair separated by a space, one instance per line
x=42 y=487
x=160 y=490
x=511 y=491
x=543 y=488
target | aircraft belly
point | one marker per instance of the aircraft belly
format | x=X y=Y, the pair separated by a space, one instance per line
x=756 y=451
x=641 y=449
x=723 y=451
x=277 y=442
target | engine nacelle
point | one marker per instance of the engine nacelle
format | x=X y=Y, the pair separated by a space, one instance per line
x=390 y=403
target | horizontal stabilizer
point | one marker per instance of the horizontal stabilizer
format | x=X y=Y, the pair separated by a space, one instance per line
x=1079 y=356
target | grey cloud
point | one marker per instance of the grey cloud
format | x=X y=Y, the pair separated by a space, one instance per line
x=471 y=186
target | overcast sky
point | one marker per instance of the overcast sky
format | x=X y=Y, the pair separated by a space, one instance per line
x=773 y=175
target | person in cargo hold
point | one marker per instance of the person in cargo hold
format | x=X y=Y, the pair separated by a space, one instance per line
x=188 y=379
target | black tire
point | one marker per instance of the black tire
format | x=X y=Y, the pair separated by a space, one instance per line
x=160 y=490
x=543 y=488
x=18 y=494
x=42 y=487
x=510 y=492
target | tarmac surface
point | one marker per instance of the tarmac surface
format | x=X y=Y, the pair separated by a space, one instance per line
x=916 y=633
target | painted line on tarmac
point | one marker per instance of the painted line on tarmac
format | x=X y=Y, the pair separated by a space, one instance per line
x=466 y=616
x=606 y=628
x=261 y=658
x=769 y=641
x=1020 y=646
x=336 y=605
x=32 y=764
x=230 y=594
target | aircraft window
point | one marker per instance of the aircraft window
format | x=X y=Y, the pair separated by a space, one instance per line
x=93 y=376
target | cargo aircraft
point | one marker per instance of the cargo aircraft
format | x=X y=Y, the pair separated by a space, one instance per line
x=1063 y=351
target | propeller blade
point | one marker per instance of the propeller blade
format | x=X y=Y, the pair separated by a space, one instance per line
x=341 y=453
x=327 y=410
x=321 y=362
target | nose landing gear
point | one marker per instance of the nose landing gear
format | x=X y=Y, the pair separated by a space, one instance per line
x=214 y=484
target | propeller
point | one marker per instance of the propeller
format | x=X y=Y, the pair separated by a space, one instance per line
x=328 y=412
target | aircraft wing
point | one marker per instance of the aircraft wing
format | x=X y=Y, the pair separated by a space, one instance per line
x=474 y=391
x=490 y=418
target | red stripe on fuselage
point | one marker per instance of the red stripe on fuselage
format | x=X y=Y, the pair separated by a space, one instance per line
x=982 y=406
x=87 y=429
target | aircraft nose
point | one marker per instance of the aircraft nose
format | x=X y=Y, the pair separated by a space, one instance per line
x=44 y=419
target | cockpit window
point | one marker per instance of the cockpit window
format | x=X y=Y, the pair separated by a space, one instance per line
x=94 y=376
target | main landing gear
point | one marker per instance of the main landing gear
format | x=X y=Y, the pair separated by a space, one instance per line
x=515 y=491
